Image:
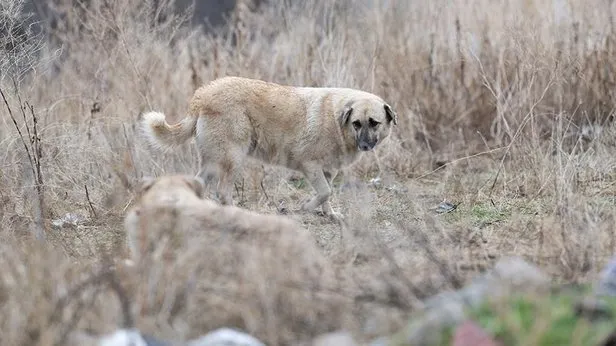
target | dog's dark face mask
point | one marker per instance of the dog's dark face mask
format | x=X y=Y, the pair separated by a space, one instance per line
x=369 y=121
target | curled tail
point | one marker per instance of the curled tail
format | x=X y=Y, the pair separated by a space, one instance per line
x=159 y=133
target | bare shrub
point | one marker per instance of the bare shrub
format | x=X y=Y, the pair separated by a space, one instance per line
x=19 y=44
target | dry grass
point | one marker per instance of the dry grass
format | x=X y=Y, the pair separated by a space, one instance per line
x=504 y=106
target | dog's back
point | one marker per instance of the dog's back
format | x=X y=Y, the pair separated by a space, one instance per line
x=170 y=215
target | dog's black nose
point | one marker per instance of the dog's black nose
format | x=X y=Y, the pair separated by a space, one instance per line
x=365 y=146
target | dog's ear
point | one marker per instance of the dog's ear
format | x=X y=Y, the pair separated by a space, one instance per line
x=390 y=114
x=144 y=185
x=346 y=114
x=196 y=184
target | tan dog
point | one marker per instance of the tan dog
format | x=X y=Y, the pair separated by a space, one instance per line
x=170 y=214
x=315 y=131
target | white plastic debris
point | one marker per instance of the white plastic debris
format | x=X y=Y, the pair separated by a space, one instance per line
x=68 y=220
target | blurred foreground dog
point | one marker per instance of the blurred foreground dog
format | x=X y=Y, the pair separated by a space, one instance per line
x=316 y=131
x=170 y=216
x=192 y=255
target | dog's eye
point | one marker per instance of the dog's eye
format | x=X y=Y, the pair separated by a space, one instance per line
x=357 y=125
x=373 y=123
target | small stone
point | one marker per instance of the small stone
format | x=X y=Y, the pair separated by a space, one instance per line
x=375 y=181
x=339 y=338
x=445 y=207
x=123 y=337
x=226 y=337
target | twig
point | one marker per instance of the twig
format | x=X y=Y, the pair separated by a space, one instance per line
x=240 y=193
x=267 y=197
x=90 y=201
x=460 y=159
x=35 y=145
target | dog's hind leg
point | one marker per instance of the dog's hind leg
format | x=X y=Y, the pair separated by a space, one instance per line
x=208 y=175
x=207 y=171
x=225 y=180
x=230 y=167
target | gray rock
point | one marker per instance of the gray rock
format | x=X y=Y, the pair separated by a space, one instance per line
x=510 y=274
x=607 y=282
x=219 y=337
x=127 y=337
x=445 y=207
x=593 y=308
x=425 y=329
x=338 y=338
x=226 y=337
x=513 y=273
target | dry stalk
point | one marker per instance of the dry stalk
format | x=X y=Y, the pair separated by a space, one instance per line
x=34 y=154
x=92 y=210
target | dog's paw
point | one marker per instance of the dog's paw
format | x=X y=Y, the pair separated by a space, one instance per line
x=308 y=205
x=337 y=217
x=302 y=211
x=332 y=215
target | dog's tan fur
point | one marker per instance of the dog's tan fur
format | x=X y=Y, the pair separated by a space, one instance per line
x=170 y=213
x=315 y=131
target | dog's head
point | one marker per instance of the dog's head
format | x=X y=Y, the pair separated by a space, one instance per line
x=369 y=121
x=170 y=187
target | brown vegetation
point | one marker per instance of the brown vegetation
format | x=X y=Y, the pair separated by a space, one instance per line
x=504 y=107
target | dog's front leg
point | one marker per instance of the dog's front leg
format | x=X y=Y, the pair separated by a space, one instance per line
x=327 y=208
x=317 y=179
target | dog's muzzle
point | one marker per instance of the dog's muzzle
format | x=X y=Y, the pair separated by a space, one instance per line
x=365 y=146
x=366 y=142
